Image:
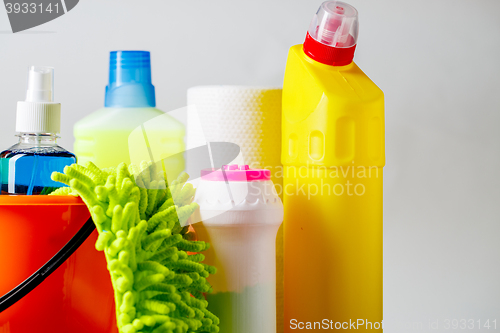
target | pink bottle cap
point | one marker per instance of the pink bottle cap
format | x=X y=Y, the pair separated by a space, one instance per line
x=236 y=173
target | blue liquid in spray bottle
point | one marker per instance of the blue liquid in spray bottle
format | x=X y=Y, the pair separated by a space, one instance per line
x=26 y=167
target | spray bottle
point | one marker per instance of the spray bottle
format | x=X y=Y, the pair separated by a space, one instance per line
x=26 y=167
x=333 y=155
x=103 y=136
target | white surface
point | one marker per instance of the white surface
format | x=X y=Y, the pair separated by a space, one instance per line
x=438 y=62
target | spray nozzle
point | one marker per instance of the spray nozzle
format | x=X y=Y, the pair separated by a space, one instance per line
x=40 y=84
x=38 y=113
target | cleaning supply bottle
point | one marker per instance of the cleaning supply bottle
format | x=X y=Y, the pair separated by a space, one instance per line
x=241 y=213
x=333 y=155
x=26 y=167
x=103 y=136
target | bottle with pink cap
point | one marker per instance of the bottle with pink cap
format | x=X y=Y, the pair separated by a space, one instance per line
x=241 y=214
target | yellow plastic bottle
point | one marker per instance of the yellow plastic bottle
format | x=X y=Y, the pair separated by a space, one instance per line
x=104 y=137
x=333 y=155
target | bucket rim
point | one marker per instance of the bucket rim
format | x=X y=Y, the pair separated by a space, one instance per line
x=40 y=200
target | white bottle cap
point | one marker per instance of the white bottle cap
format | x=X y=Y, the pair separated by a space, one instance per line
x=39 y=113
x=238 y=195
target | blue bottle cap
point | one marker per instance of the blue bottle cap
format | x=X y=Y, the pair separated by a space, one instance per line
x=130 y=80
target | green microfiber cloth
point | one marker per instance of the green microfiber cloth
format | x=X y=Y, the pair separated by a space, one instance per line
x=158 y=286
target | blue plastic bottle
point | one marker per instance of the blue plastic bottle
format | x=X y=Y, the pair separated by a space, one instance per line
x=26 y=167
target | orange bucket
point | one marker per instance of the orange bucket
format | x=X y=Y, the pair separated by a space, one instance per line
x=78 y=296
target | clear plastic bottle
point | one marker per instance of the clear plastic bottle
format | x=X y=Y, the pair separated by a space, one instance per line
x=26 y=167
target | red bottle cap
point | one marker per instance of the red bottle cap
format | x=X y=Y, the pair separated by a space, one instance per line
x=333 y=33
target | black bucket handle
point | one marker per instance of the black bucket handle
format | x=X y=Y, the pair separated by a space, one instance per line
x=25 y=287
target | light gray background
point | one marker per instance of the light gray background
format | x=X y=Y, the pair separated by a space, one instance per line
x=438 y=62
